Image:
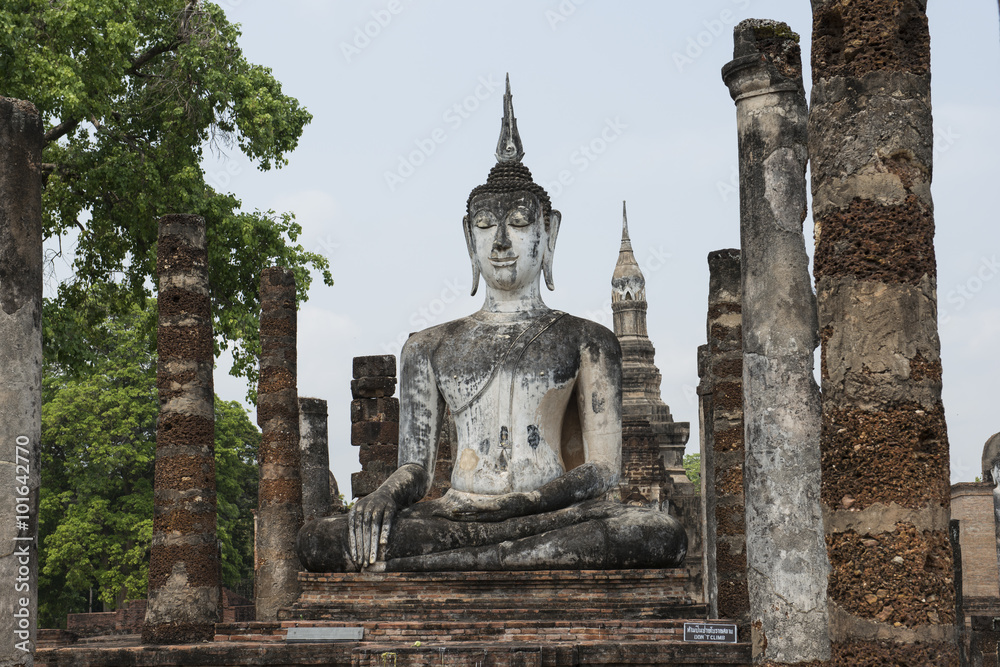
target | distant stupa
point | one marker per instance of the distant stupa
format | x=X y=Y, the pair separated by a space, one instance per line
x=640 y=377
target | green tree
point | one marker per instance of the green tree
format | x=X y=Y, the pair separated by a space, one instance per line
x=98 y=449
x=132 y=93
x=692 y=468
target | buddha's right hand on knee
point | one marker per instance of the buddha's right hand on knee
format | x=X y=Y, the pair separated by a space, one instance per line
x=369 y=523
x=370 y=520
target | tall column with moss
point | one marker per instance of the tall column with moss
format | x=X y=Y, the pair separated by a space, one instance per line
x=786 y=556
x=279 y=504
x=20 y=374
x=184 y=587
x=886 y=490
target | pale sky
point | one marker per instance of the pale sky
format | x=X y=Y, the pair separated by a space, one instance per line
x=623 y=101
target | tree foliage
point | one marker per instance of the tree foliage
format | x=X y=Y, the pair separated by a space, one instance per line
x=98 y=449
x=132 y=93
x=692 y=468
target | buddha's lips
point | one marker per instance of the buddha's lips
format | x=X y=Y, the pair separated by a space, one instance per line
x=503 y=261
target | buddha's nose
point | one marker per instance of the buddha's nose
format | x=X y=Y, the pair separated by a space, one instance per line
x=501 y=241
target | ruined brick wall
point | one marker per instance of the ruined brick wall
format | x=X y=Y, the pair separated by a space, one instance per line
x=725 y=369
x=184 y=566
x=279 y=503
x=643 y=474
x=972 y=505
x=884 y=441
x=374 y=421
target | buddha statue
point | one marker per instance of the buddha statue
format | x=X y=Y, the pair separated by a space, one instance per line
x=536 y=398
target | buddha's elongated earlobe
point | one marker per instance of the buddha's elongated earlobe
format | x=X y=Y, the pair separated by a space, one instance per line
x=555 y=217
x=471 y=244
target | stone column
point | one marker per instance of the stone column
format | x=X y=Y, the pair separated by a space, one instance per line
x=315 y=458
x=786 y=556
x=184 y=568
x=21 y=374
x=279 y=503
x=706 y=447
x=725 y=366
x=886 y=491
x=374 y=421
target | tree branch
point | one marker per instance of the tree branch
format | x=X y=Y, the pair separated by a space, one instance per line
x=61 y=130
x=183 y=33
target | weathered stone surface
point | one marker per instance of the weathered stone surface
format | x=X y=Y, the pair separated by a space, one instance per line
x=314 y=455
x=786 y=558
x=21 y=375
x=536 y=399
x=279 y=512
x=870 y=150
x=184 y=589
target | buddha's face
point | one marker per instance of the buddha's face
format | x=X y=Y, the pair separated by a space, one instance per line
x=509 y=238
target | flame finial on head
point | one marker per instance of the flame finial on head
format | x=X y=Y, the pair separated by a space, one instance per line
x=509 y=148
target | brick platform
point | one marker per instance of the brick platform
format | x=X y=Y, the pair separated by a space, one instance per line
x=500 y=619
x=364 y=654
x=481 y=596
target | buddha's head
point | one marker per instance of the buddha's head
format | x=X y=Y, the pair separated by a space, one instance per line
x=510 y=227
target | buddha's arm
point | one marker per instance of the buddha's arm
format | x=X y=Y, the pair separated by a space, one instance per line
x=420 y=414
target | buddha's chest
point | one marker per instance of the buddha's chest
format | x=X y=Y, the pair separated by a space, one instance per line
x=508 y=403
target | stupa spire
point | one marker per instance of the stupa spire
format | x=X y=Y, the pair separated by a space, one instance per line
x=626 y=241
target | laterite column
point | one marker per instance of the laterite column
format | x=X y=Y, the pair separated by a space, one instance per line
x=279 y=502
x=20 y=375
x=725 y=367
x=184 y=589
x=886 y=490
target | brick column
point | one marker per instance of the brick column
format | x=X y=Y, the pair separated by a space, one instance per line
x=884 y=440
x=374 y=421
x=184 y=569
x=315 y=452
x=279 y=505
x=706 y=447
x=725 y=366
x=786 y=555
x=20 y=374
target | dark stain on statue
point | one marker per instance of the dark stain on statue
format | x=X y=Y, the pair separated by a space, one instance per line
x=484 y=446
x=597 y=403
x=533 y=437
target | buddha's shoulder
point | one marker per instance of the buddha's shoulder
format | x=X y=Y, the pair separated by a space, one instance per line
x=588 y=334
